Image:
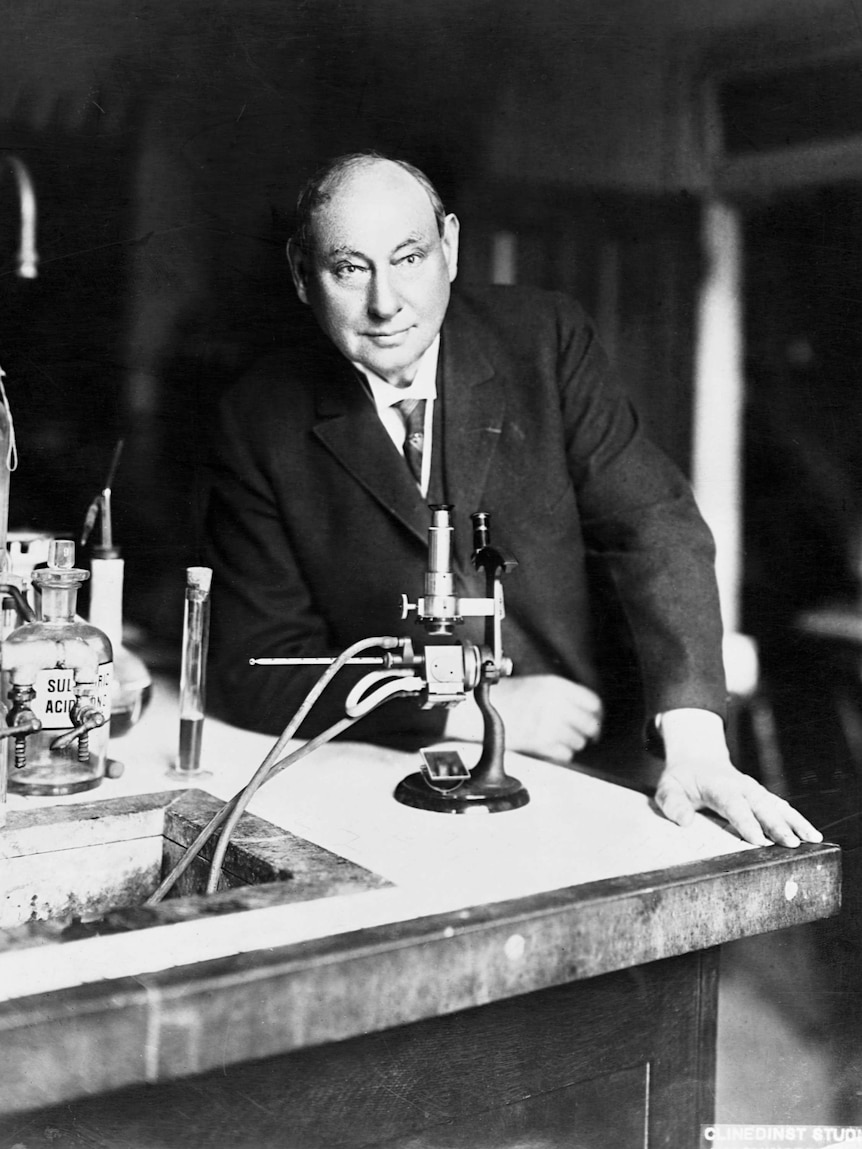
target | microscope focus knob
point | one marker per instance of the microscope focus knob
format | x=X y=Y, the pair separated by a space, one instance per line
x=407 y=606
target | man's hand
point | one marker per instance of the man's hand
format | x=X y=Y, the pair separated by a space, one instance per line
x=546 y=716
x=699 y=775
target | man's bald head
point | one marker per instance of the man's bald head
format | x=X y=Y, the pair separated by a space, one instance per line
x=327 y=180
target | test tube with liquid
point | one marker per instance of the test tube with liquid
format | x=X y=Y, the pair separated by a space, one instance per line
x=193 y=670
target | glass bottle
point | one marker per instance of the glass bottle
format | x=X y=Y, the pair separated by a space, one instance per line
x=59 y=670
x=132 y=685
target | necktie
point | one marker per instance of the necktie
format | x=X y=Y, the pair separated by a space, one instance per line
x=413 y=414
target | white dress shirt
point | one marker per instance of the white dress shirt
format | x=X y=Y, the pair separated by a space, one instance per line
x=684 y=723
x=385 y=395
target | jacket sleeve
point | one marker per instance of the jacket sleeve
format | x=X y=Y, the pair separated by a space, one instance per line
x=641 y=523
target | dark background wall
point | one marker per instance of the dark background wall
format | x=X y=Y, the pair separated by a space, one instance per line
x=167 y=141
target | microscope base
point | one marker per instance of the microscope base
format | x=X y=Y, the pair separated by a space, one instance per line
x=416 y=791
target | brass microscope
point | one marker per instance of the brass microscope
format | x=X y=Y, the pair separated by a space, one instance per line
x=443 y=673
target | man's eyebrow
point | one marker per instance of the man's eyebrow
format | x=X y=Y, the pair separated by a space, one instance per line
x=413 y=238
x=335 y=252
x=340 y=251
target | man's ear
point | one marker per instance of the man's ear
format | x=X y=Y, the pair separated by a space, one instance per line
x=449 y=239
x=299 y=269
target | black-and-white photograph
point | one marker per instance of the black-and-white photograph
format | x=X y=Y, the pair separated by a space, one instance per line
x=431 y=589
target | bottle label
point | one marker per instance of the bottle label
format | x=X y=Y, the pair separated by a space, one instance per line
x=55 y=695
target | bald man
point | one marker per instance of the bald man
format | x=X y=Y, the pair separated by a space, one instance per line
x=317 y=525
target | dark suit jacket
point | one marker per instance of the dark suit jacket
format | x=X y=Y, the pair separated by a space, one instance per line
x=316 y=527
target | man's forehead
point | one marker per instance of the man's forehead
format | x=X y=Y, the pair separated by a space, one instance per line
x=381 y=200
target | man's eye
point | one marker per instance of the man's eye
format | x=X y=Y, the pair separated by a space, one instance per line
x=413 y=258
x=346 y=270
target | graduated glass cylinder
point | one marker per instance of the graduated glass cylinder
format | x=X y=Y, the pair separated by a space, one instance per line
x=196 y=627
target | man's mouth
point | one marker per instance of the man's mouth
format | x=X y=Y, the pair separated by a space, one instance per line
x=386 y=336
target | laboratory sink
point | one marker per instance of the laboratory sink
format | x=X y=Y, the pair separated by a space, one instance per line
x=82 y=870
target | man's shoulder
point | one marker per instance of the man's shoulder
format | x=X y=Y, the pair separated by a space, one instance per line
x=520 y=322
x=515 y=312
x=286 y=371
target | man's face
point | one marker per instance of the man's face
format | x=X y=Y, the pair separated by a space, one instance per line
x=378 y=274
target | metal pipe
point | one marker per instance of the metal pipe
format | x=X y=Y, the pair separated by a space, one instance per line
x=27 y=258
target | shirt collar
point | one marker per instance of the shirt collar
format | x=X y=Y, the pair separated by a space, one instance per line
x=423 y=386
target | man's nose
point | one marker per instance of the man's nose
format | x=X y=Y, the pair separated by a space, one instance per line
x=383 y=301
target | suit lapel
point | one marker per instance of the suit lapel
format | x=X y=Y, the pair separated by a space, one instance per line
x=473 y=409
x=349 y=429
x=473 y=399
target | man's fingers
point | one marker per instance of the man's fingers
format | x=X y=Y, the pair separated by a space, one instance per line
x=800 y=825
x=783 y=824
x=582 y=698
x=678 y=804
x=757 y=815
x=737 y=810
x=560 y=752
x=674 y=802
x=584 y=726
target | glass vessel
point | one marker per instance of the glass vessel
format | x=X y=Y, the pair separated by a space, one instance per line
x=196 y=627
x=57 y=675
x=132 y=685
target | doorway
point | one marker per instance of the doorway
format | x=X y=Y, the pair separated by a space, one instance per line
x=802 y=458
